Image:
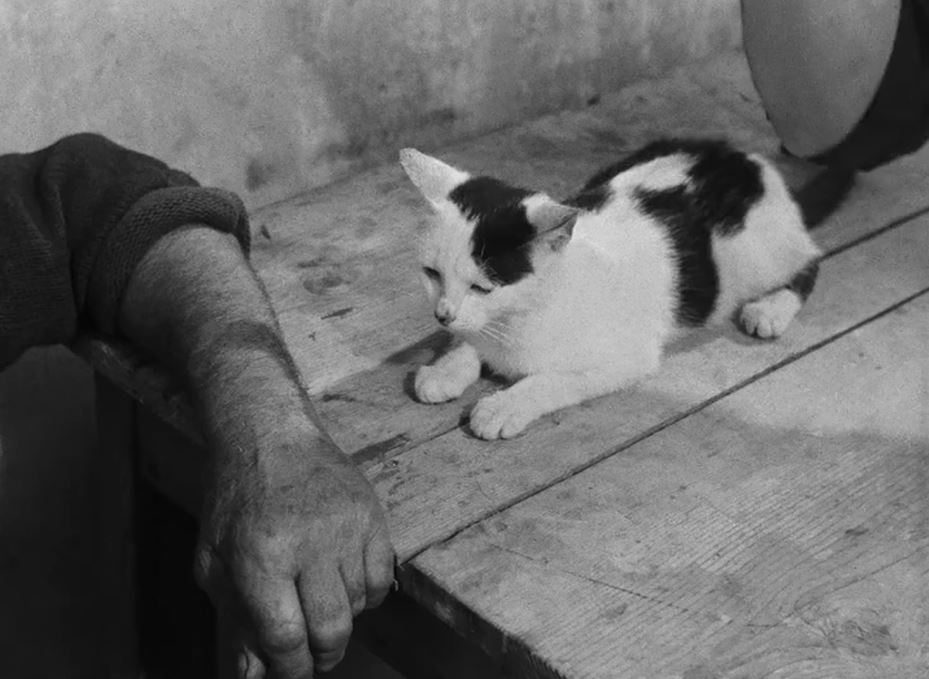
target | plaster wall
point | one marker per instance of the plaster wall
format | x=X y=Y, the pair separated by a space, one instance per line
x=271 y=98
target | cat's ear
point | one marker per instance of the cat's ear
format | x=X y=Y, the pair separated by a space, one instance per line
x=554 y=223
x=431 y=176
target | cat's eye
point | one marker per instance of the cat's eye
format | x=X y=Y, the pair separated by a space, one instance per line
x=480 y=289
x=431 y=273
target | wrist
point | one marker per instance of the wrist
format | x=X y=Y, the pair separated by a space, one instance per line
x=252 y=399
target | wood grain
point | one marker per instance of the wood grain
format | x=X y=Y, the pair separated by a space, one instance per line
x=781 y=532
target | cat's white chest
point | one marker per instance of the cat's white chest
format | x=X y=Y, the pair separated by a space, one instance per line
x=507 y=353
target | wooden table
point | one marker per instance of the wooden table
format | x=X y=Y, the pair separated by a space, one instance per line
x=756 y=509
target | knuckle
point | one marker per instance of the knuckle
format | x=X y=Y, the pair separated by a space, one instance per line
x=332 y=635
x=250 y=666
x=328 y=661
x=282 y=637
x=359 y=603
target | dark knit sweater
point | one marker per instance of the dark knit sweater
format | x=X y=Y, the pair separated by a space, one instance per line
x=75 y=220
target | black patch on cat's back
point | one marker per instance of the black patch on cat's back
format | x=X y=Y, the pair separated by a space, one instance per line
x=501 y=227
x=725 y=182
x=722 y=185
x=697 y=281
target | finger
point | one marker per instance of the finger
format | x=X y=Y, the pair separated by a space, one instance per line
x=233 y=621
x=250 y=665
x=353 y=579
x=379 y=560
x=277 y=619
x=328 y=615
x=236 y=647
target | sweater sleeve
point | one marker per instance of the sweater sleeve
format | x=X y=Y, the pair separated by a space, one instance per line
x=75 y=220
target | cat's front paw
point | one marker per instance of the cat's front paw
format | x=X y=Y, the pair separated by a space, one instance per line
x=434 y=385
x=501 y=415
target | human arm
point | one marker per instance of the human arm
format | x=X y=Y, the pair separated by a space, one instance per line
x=75 y=218
x=289 y=525
x=93 y=235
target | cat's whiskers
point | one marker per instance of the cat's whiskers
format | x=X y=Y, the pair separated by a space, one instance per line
x=498 y=339
x=494 y=331
x=499 y=332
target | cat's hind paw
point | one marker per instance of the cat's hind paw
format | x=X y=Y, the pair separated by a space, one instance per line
x=501 y=415
x=769 y=316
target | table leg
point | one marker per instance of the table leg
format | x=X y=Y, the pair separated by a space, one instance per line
x=115 y=474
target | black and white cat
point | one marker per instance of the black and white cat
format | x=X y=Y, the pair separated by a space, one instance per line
x=576 y=299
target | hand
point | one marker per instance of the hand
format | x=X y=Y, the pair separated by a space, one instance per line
x=300 y=546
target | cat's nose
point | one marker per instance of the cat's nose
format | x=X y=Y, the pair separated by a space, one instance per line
x=443 y=317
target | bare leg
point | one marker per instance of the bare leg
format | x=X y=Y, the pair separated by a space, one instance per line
x=449 y=376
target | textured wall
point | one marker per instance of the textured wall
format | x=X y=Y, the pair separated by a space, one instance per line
x=270 y=98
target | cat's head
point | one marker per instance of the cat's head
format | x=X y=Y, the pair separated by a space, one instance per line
x=487 y=243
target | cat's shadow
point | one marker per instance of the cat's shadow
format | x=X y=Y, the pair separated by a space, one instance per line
x=699 y=338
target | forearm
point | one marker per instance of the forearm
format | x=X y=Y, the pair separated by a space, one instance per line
x=195 y=305
x=290 y=528
x=75 y=220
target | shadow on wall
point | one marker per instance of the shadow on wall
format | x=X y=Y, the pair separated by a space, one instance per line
x=269 y=99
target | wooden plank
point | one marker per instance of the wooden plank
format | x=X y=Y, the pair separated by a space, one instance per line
x=436 y=489
x=358 y=362
x=339 y=265
x=781 y=532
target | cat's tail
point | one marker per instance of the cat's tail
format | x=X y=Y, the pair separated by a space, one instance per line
x=823 y=194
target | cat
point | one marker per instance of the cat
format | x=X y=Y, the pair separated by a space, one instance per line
x=576 y=299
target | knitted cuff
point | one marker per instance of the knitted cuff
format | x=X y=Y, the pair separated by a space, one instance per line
x=151 y=217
